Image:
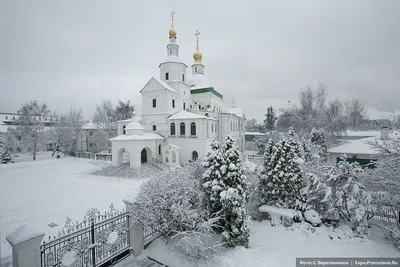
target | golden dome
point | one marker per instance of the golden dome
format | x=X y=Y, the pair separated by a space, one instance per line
x=197 y=56
x=133 y=114
x=172 y=33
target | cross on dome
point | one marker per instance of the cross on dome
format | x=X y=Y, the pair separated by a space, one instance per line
x=172 y=32
x=197 y=56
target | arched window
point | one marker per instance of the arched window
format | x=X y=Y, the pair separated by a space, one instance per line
x=182 y=128
x=193 y=128
x=159 y=149
x=154 y=128
x=172 y=128
x=212 y=127
x=123 y=129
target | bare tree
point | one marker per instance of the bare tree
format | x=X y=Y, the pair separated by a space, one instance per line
x=124 y=110
x=335 y=119
x=355 y=113
x=30 y=125
x=105 y=119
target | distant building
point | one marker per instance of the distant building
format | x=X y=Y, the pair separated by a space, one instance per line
x=359 y=150
x=92 y=140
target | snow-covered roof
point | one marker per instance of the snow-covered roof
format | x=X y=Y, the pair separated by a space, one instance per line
x=172 y=59
x=139 y=119
x=198 y=81
x=144 y=136
x=235 y=111
x=362 y=133
x=359 y=146
x=183 y=114
x=166 y=85
x=90 y=126
x=134 y=125
x=253 y=133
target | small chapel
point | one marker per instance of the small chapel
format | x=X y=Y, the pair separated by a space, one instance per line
x=181 y=115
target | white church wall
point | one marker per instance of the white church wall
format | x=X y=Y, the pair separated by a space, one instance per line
x=189 y=145
x=134 y=149
x=175 y=71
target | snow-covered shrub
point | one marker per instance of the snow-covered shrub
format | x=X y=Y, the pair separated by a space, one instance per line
x=282 y=177
x=316 y=195
x=212 y=180
x=201 y=244
x=351 y=198
x=234 y=196
x=172 y=200
x=312 y=217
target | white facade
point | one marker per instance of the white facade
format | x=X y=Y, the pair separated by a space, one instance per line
x=181 y=116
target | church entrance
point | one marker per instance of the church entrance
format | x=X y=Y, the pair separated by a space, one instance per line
x=143 y=155
x=195 y=155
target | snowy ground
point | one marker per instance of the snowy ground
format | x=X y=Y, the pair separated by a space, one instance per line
x=48 y=190
x=279 y=247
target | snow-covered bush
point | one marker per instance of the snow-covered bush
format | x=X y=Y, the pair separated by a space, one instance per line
x=213 y=183
x=199 y=245
x=172 y=200
x=234 y=196
x=282 y=177
x=312 y=217
x=316 y=195
x=351 y=198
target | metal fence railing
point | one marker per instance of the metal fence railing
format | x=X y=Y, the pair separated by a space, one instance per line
x=98 y=239
x=90 y=155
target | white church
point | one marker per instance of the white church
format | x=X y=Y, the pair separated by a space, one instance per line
x=181 y=116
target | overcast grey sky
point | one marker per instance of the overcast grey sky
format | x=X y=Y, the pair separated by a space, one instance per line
x=76 y=53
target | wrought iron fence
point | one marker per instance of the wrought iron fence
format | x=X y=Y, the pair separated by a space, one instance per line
x=388 y=214
x=150 y=231
x=99 y=240
x=90 y=155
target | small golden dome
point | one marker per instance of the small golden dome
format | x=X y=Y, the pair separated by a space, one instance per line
x=197 y=56
x=133 y=114
x=172 y=33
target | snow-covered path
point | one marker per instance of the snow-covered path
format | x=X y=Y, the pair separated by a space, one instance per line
x=47 y=191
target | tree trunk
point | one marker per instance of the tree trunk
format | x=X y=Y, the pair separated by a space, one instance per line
x=34 y=151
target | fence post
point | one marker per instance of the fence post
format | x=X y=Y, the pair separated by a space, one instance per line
x=25 y=243
x=136 y=231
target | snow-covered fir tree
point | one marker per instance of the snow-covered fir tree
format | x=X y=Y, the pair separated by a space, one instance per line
x=319 y=139
x=350 y=195
x=294 y=141
x=234 y=197
x=281 y=183
x=212 y=181
x=6 y=157
x=270 y=120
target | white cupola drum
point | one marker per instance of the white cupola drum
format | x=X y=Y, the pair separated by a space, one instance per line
x=197 y=67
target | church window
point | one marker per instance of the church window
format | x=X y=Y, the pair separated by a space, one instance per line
x=212 y=127
x=183 y=77
x=193 y=128
x=159 y=149
x=195 y=69
x=154 y=102
x=199 y=107
x=182 y=128
x=123 y=130
x=173 y=103
x=154 y=127
x=190 y=106
x=184 y=106
x=167 y=76
x=172 y=128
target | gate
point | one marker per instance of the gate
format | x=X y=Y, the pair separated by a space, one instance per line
x=99 y=240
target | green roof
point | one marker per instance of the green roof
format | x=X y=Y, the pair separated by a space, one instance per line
x=205 y=90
